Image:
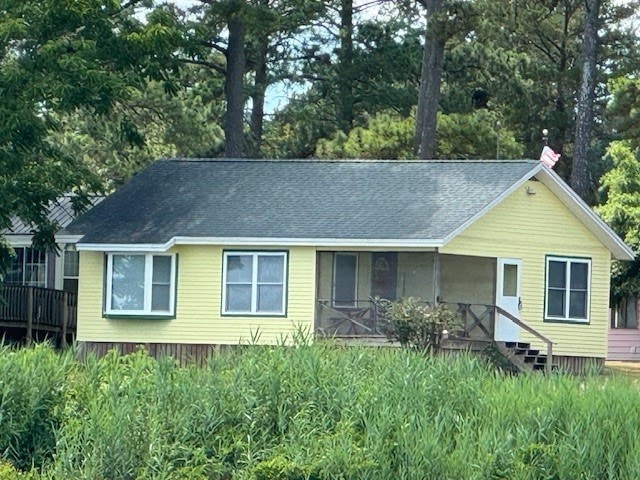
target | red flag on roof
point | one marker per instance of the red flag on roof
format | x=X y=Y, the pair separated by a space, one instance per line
x=549 y=157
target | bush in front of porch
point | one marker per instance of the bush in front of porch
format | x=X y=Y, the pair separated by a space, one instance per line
x=416 y=324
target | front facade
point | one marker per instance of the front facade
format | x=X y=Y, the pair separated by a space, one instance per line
x=532 y=249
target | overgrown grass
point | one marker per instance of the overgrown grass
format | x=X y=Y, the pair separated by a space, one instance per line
x=310 y=412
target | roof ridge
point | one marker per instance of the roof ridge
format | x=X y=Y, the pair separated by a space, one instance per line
x=342 y=160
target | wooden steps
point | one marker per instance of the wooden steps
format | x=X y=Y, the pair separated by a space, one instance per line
x=523 y=357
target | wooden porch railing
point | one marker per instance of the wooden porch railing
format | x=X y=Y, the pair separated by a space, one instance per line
x=549 y=364
x=478 y=322
x=38 y=309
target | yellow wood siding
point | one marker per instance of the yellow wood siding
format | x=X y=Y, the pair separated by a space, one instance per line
x=531 y=226
x=198 y=304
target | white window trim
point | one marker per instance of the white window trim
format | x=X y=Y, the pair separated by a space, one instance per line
x=254 y=283
x=66 y=251
x=355 y=280
x=148 y=279
x=568 y=261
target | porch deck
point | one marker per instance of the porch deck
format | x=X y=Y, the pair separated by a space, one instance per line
x=33 y=313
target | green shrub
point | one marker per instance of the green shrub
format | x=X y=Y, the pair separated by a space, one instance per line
x=416 y=324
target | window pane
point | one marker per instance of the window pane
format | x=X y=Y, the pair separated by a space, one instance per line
x=557 y=274
x=34 y=275
x=270 y=298
x=345 y=280
x=238 y=298
x=15 y=273
x=161 y=269
x=578 y=305
x=160 y=298
x=239 y=268
x=510 y=280
x=555 y=303
x=270 y=269
x=127 y=287
x=579 y=276
x=70 y=285
x=71 y=263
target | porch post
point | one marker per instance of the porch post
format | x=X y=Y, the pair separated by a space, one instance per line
x=318 y=308
x=436 y=277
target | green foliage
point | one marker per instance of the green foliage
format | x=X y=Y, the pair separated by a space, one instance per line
x=142 y=128
x=386 y=135
x=475 y=135
x=56 y=57
x=32 y=384
x=311 y=412
x=416 y=324
x=624 y=109
x=620 y=208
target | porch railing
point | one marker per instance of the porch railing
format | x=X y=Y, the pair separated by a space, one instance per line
x=38 y=309
x=535 y=333
x=363 y=319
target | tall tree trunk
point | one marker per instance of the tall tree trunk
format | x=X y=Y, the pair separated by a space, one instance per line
x=345 y=74
x=234 y=91
x=430 y=80
x=579 y=179
x=258 y=97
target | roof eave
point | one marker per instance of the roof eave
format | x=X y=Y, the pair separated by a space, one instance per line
x=321 y=243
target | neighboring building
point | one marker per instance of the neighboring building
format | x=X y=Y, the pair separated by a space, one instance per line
x=624 y=336
x=191 y=254
x=39 y=268
x=45 y=279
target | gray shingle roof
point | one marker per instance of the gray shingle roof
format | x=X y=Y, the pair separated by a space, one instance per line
x=298 y=199
x=60 y=211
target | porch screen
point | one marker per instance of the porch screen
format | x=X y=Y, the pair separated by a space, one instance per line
x=345 y=274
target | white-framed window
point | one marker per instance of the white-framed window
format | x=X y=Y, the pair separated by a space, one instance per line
x=70 y=269
x=345 y=279
x=254 y=283
x=28 y=268
x=140 y=284
x=567 y=289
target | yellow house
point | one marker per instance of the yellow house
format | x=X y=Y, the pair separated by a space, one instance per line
x=193 y=254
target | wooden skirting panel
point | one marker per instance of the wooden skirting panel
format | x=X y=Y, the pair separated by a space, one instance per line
x=184 y=353
x=579 y=365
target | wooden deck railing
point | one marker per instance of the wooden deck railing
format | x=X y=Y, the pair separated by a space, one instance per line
x=478 y=322
x=38 y=309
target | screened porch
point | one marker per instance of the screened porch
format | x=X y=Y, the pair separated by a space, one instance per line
x=348 y=281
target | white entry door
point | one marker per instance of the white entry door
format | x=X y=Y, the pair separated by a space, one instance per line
x=508 y=298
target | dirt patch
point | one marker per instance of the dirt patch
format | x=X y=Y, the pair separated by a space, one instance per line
x=626 y=368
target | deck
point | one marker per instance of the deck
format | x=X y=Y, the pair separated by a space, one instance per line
x=35 y=313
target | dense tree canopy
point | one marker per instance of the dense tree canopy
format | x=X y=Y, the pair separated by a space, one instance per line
x=92 y=91
x=57 y=57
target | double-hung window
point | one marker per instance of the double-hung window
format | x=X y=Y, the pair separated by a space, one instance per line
x=140 y=284
x=28 y=267
x=254 y=283
x=567 y=289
